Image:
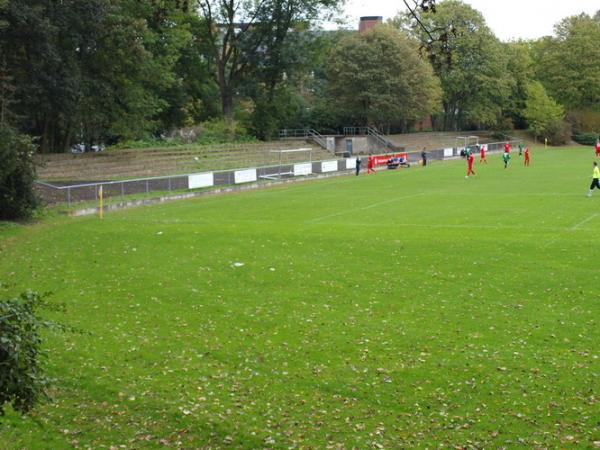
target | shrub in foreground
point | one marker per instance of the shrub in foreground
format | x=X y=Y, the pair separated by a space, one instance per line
x=22 y=379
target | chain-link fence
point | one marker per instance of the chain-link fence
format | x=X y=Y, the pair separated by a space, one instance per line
x=117 y=191
x=75 y=193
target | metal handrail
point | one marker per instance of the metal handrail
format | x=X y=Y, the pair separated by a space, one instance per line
x=293 y=133
x=317 y=137
x=305 y=133
x=374 y=132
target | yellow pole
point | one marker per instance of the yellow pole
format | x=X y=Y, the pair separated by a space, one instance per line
x=545 y=142
x=101 y=203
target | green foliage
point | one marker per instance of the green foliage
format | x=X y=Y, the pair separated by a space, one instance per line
x=17 y=174
x=220 y=131
x=586 y=138
x=283 y=110
x=501 y=135
x=259 y=48
x=584 y=120
x=23 y=381
x=214 y=131
x=542 y=113
x=91 y=71
x=559 y=132
x=379 y=79
x=472 y=65
x=521 y=68
x=568 y=65
x=107 y=71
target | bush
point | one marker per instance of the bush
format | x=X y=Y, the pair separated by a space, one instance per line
x=501 y=135
x=17 y=174
x=586 y=138
x=22 y=379
x=558 y=132
x=219 y=131
x=544 y=115
x=584 y=121
x=502 y=129
x=215 y=131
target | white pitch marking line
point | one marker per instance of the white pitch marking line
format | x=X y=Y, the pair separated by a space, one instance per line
x=373 y=205
x=583 y=222
x=459 y=226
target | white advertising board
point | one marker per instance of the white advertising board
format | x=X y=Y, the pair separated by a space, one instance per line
x=329 y=166
x=448 y=152
x=200 y=180
x=245 y=176
x=350 y=163
x=302 y=169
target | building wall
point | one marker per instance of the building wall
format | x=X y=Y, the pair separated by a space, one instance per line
x=368 y=22
x=424 y=124
x=362 y=145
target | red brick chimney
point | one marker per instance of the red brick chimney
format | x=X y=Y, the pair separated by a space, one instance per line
x=368 y=22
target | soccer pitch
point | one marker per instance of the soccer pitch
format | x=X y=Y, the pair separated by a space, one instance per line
x=409 y=308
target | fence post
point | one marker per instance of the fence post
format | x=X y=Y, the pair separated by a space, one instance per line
x=69 y=197
x=147 y=189
x=122 y=189
x=169 y=184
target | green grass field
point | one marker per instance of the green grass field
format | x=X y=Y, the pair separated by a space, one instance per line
x=405 y=309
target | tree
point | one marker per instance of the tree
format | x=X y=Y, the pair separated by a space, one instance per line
x=283 y=95
x=244 y=36
x=91 y=71
x=17 y=174
x=470 y=62
x=568 y=65
x=379 y=78
x=543 y=114
x=17 y=171
x=435 y=41
x=194 y=96
x=521 y=68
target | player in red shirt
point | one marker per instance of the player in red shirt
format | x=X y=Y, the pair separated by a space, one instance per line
x=470 y=160
x=598 y=147
x=526 y=156
x=482 y=159
x=507 y=147
x=371 y=165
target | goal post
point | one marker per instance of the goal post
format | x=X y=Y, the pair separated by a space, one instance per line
x=287 y=158
x=466 y=141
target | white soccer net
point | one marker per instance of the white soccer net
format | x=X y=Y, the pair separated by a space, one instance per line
x=284 y=162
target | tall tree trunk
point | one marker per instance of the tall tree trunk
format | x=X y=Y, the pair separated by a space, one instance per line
x=227 y=104
x=52 y=133
x=226 y=94
x=44 y=143
x=67 y=139
x=446 y=116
